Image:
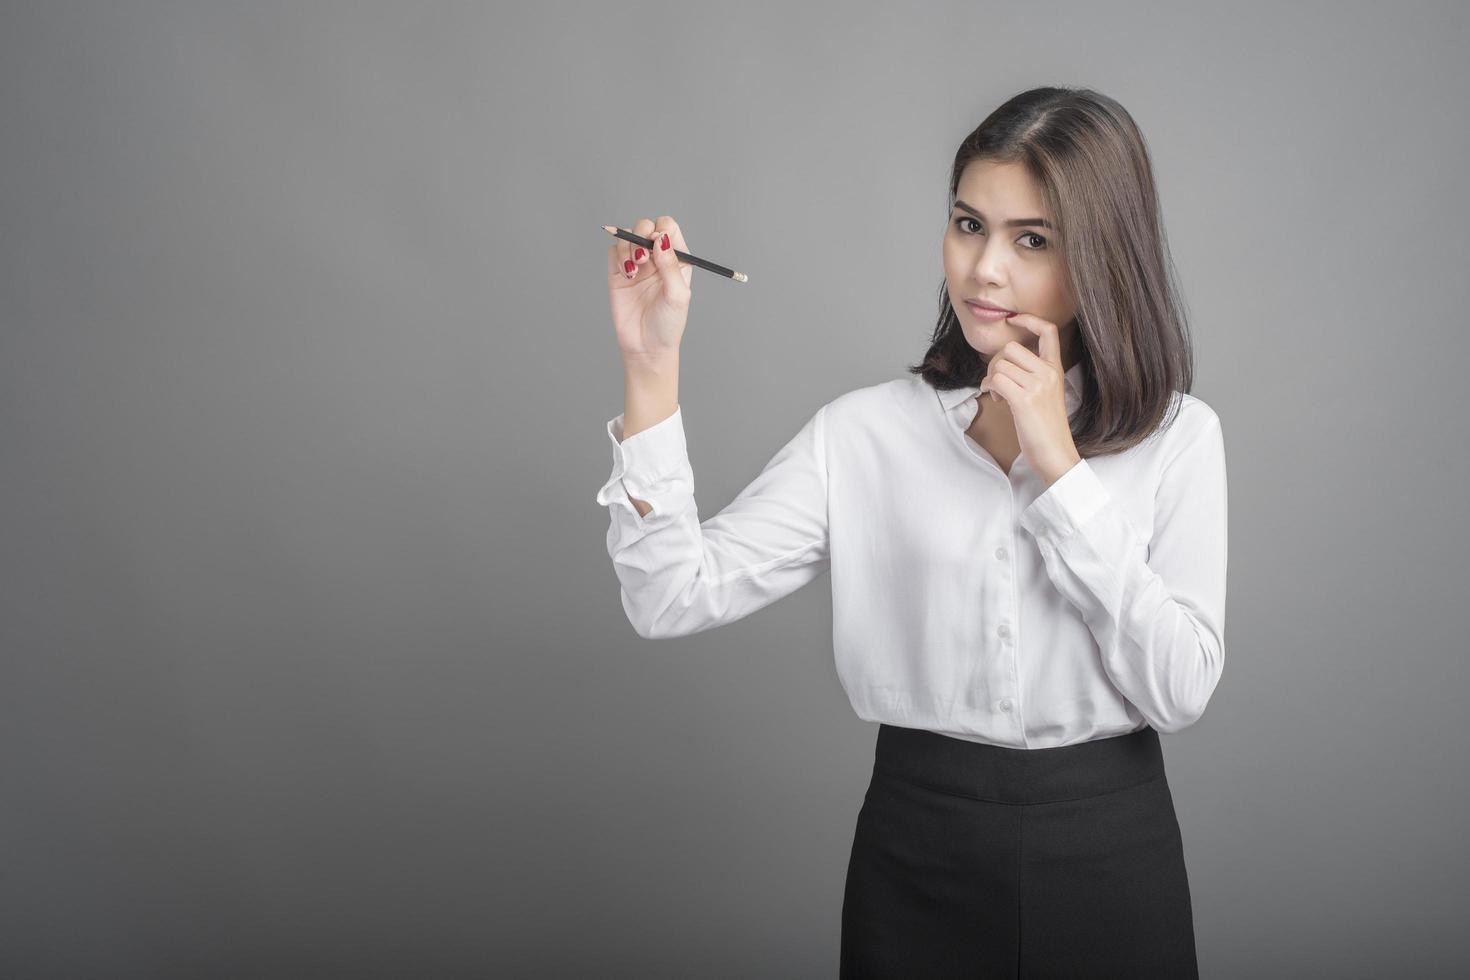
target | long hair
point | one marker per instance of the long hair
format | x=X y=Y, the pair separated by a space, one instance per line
x=1087 y=156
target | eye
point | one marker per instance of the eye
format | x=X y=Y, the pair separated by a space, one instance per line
x=960 y=223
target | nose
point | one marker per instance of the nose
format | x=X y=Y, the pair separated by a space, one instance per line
x=990 y=263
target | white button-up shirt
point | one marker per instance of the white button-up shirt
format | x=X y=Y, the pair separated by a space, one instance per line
x=966 y=601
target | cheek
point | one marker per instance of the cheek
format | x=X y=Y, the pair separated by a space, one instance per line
x=1040 y=288
x=1055 y=282
x=954 y=269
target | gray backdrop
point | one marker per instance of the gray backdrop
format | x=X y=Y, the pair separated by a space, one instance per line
x=314 y=662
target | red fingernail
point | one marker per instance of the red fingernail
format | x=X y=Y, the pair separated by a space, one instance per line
x=638 y=254
x=666 y=243
x=627 y=265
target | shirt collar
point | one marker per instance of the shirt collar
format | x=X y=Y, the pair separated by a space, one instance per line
x=954 y=397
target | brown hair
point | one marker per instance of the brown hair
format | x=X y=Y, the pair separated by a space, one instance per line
x=1089 y=160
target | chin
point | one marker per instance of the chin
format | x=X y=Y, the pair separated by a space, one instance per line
x=988 y=338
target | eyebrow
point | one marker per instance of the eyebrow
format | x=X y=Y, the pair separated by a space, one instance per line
x=1015 y=223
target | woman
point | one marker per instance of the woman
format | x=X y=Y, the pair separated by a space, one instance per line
x=1027 y=545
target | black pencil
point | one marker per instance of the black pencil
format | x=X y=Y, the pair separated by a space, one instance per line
x=647 y=243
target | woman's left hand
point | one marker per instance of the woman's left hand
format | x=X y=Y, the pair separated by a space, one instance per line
x=1034 y=387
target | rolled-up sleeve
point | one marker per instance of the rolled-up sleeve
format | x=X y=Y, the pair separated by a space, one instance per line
x=1159 y=622
x=679 y=576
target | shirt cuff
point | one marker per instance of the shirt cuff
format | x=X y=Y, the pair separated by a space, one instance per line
x=1070 y=502
x=644 y=458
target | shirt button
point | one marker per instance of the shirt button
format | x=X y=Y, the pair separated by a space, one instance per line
x=1001 y=553
x=1004 y=630
x=1005 y=705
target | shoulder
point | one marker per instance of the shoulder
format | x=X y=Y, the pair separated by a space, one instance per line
x=1190 y=422
x=1196 y=412
x=882 y=399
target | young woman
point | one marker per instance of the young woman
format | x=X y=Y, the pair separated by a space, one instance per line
x=1027 y=547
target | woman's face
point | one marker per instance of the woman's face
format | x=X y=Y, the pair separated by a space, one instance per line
x=1018 y=267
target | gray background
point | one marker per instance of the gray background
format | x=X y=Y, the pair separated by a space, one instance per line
x=313 y=659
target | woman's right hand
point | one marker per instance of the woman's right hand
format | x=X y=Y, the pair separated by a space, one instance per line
x=650 y=306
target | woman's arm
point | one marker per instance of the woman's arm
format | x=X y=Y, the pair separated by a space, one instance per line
x=679 y=575
x=1160 y=623
x=650 y=395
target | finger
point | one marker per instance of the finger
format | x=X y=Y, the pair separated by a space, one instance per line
x=642 y=227
x=668 y=226
x=617 y=254
x=639 y=253
x=1049 y=345
x=666 y=238
x=999 y=367
x=993 y=365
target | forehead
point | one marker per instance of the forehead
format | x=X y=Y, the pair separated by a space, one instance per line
x=1003 y=188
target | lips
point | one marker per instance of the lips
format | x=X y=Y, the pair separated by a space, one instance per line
x=986 y=313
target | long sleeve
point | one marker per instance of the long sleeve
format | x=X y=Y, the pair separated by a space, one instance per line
x=1160 y=622
x=679 y=576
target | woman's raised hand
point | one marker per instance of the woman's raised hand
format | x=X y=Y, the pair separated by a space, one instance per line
x=649 y=290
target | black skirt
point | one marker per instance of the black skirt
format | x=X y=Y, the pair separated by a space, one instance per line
x=974 y=860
